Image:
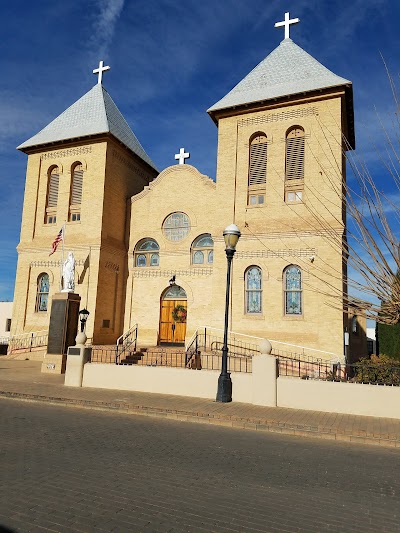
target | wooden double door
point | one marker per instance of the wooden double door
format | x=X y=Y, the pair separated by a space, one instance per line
x=172 y=321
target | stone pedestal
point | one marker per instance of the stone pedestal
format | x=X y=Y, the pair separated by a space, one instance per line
x=264 y=374
x=76 y=358
x=63 y=327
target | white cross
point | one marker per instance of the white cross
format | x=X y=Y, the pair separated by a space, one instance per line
x=182 y=156
x=100 y=71
x=287 y=22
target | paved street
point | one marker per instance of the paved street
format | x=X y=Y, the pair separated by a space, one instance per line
x=65 y=469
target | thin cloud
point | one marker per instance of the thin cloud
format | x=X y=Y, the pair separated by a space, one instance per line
x=104 y=25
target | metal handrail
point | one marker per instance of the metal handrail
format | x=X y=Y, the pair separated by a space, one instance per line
x=126 y=340
x=214 y=347
x=33 y=339
x=235 y=336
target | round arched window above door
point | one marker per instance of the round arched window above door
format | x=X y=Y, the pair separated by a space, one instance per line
x=175 y=293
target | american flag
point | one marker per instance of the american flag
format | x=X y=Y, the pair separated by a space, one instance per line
x=60 y=237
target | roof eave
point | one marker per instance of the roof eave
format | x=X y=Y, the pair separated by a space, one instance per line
x=48 y=145
x=248 y=107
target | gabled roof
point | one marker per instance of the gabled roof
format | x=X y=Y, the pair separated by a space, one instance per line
x=93 y=114
x=288 y=70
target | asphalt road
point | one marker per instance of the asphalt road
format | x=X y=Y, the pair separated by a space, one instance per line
x=66 y=469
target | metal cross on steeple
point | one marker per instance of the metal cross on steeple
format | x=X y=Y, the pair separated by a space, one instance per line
x=287 y=22
x=182 y=156
x=99 y=71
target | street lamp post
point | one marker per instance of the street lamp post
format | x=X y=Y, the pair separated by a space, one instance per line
x=83 y=316
x=224 y=392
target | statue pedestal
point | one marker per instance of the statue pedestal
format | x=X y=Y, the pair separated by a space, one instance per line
x=77 y=357
x=62 y=331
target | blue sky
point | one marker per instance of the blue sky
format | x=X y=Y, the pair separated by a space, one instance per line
x=171 y=60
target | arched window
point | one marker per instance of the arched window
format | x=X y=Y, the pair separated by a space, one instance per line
x=354 y=324
x=52 y=195
x=253 y=290
x=293 y=290
x=42 y=292
x=203 y=250
x=294 y=173
x=146 y=253
x=257 y=169
x=75 y=200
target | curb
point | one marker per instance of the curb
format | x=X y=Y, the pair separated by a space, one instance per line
x=270 y=426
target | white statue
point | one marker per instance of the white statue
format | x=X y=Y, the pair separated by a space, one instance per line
x=69 y=273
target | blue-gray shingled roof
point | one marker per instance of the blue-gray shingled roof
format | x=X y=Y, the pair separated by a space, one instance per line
x=287 y=70
x=93 y=114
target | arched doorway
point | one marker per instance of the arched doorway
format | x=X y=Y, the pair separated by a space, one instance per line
x=173 y=310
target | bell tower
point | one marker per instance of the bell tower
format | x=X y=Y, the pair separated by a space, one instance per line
x=82 y=168
x=282 y=133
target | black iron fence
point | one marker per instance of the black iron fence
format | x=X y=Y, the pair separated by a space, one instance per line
x=27 y=342
x=104 y=354
x=155 y=358
x=365 y=371
x=169 y=358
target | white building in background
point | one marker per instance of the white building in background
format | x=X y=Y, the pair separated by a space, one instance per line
x=371 y=341
x=5 y=320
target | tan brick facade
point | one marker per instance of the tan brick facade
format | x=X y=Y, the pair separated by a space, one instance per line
x=274 y=235
x=111 y=175
x=119 y=208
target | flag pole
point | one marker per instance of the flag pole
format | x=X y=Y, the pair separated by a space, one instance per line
x=62 y=257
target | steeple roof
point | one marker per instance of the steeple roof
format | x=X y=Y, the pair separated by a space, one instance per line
x=288 y=70
x=93 y=114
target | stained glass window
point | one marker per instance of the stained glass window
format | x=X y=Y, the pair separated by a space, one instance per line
x=198 y=258
x=176 y=226
x=253 y=281
x=154 y=260
x=146 y=253
x=293 y=291
x=202 y=249
x=148 y=244
x=175 y=293
x=42 y=295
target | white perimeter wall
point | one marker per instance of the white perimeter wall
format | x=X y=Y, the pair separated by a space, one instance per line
x=259 y=388
x=163 y=380
x=331 y=397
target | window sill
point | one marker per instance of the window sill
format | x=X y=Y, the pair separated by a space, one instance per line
x=254 y=316
x=293 y=317
x=257 y=206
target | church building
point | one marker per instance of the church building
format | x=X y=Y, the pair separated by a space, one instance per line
x=148 y=245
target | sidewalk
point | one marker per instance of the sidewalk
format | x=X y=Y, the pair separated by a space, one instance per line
x=23 y=380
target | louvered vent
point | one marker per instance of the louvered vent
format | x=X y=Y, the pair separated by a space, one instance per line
x=77 y=181
x=295 y=155
x=258 y=162
x=52 y=197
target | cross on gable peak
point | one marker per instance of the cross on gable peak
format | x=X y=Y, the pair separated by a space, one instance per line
x=287 y=23
x=182 y=156
x=99 y=71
